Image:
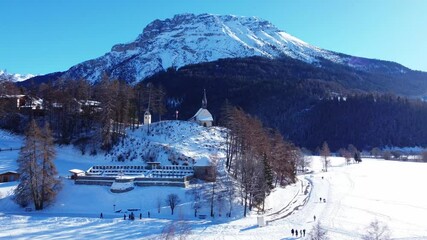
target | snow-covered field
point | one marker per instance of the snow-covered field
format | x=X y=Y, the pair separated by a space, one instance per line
x=389 y=191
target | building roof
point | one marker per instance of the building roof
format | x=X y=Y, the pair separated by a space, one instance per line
x=14 y=172
x=12 y=96
x=76 y=171
x=203 y=161
x=203 y=115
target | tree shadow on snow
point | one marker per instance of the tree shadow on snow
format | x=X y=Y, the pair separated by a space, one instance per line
x=249 y=228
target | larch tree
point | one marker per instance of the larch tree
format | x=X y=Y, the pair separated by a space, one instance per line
x=107 y=93
x=254 y=157
x=38 y=182
x=325 y=153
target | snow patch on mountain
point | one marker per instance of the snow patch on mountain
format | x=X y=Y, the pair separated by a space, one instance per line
x=189 y=39
x=14 y=77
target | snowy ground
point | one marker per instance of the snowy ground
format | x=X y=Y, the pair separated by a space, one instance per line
x=389 y=191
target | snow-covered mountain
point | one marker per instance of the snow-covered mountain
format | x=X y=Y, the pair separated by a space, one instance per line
x=190 y=39
x=14 y=77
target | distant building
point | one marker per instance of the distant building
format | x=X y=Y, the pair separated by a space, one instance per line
x=203 y=117
x=204 y=170
x=147 y=117
x=13 y=101
x=9 y=176
x=20 y=101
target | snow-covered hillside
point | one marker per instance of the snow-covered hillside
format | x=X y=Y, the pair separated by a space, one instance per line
x=355 y=195
x=189 y=39
x=8 y=153
x=14 y=77
x=170 y=142
x=389 y=191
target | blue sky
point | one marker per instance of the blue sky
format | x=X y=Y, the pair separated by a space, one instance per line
x=46 y=36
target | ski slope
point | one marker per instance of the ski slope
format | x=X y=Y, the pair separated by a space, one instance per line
x=389 y=191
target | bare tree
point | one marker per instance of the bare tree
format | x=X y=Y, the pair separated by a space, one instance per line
x=172 y=200
x=376 y=152
x=325 y=153
x=387 y=155
x=197 y=194
x=284 y=158
x=38 y=182
x=107 y=93
x=376 y=231
x=254 y=157
x=345 y=154
x=302 y=161
x=318 y=233
x=159 y=204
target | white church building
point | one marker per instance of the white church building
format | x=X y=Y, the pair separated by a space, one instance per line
x=203 y=116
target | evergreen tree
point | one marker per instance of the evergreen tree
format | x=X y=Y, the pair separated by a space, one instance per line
x=268 y=174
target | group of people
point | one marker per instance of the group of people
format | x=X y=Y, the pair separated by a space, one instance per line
x=324 y=200
x=131 y=216
x=295 y=232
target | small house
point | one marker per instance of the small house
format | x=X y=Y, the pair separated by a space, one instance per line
x=204 y=170
x=76 y=173
x=9 y=176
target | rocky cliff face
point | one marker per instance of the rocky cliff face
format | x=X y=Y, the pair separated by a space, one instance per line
x=188 y=39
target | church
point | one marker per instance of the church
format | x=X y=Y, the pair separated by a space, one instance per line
x=203 y=116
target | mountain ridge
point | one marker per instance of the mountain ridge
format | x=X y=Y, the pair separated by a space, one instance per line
x=190 y=39
x=14 y=77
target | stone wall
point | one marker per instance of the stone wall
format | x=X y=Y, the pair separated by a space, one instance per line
x=207 y=173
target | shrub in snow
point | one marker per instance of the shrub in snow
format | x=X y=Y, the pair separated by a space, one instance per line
x=318 y=233
x=376 y=231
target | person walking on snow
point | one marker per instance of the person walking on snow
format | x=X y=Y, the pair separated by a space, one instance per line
x=292 y=231
x=296 y=233
x=314 y=217
x=303 y=231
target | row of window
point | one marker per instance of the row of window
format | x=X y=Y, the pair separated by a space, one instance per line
x=143 y=167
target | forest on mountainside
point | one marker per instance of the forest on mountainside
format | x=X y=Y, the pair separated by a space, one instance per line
x=308 y=104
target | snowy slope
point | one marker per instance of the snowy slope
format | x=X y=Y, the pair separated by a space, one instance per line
x=356 y=195
x=389 y=191
x=170 y=141
x=189 y=39
x=8 y=157
x=14 y=77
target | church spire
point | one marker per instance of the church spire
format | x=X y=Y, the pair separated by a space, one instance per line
x=204 y=100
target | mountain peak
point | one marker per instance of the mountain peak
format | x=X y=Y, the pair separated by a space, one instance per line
x=14 y=77
x=189 y=39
